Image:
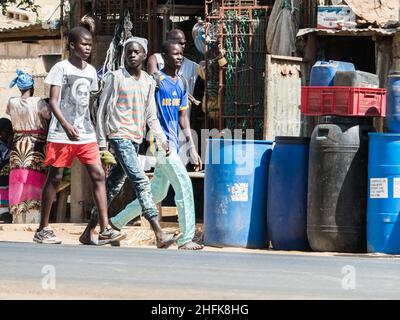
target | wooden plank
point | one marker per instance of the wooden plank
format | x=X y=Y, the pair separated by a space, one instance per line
x=62 y=205
x=275 y=56
x=182 y=10
x=80 y=184
x=192 y=175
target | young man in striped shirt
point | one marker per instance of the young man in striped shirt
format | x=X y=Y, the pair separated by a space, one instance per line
x=126 y=105
x=172 y=103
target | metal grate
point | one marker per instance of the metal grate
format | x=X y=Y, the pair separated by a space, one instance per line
x=143 y=16
x=235 y=92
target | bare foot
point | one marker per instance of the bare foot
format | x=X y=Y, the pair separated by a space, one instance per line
x=191 y=246
x=88 y=237
x=166 y=240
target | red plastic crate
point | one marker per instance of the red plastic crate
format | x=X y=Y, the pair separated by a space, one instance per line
x=344 y=101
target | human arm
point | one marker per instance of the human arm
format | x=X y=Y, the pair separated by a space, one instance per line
x=185 y=126
x=44 y=109
x=153 y=122
x=198 y=71
x=106 y=97
x=152 y=66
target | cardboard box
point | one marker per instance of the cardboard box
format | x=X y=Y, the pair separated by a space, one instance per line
x=335 y=17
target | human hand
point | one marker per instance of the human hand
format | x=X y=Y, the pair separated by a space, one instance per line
x=193 y=100
x=195 y=159
x=166 y=148
x=72 y=132
x=107 y=158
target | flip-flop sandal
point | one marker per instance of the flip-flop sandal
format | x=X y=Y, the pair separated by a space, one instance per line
x=191 y=246
x=169 y=240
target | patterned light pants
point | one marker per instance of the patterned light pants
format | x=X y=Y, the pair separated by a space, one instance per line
x=168 y=170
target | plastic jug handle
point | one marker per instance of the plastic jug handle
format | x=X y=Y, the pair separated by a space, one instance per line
x=322 y=133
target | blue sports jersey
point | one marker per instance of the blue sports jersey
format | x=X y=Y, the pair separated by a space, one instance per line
x=171 y=98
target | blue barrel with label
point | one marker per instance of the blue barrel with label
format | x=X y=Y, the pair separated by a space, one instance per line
x=287 y=194
x=383 y=208
x=235 y=193
x=393 y=103
x=323 y=72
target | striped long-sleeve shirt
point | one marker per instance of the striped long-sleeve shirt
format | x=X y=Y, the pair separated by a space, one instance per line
x=126 y=106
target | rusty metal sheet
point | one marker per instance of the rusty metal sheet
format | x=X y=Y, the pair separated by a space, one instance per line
x=283 y=97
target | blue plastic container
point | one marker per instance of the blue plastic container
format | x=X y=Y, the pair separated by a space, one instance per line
x=235 y=193
x=287 y=194
x=393 y=103
x=323 y=72
x=383 y=217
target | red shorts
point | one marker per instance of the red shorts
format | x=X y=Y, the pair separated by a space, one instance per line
x=61 y=155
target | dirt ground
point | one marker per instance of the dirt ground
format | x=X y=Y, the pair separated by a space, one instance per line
x=142 y=236
x=70 y=232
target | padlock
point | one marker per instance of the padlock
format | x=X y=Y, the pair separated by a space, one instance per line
x=222 y=62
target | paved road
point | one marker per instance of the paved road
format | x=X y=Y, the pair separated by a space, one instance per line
x=26 y=271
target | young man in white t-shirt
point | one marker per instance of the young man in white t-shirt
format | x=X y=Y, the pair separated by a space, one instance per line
x=70 y=82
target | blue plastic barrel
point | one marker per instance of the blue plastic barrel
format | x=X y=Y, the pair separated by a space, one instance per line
x=383 y=217
x=393 y=103
x=235 y=193
x=323 y=72
x=287 y=194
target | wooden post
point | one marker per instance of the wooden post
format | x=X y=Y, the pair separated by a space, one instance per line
x=62 y=205
x=166 y=24
x=80 y=192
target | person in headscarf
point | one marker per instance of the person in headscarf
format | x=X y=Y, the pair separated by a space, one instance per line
x=29 y=116
x=5 y=137
x=127 y=104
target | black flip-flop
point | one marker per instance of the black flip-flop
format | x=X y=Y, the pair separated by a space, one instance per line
x=169 y=240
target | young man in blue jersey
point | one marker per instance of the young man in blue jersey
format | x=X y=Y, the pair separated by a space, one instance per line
x=172 y=103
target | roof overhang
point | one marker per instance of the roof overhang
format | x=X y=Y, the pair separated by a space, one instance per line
x=348 y=32
x=30 y=32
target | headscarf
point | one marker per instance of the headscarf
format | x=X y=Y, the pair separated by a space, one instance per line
x=141 y=41
x=23 y=80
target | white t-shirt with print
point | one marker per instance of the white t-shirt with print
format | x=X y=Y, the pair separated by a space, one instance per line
x=76 y=85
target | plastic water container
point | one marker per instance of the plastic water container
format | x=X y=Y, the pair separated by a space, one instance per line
x=323 y=72
x=287 y=194
x=383 y=216
x=235 y=190
x=337 y=175
x=357 y=79
x=393 y=103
